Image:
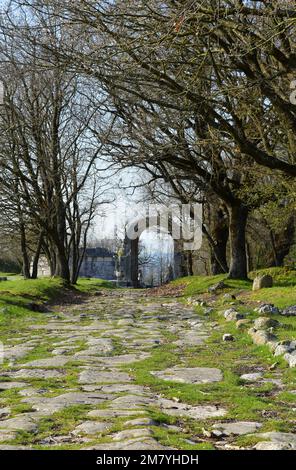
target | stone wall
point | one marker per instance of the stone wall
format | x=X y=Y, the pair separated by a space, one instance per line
x=98 y=267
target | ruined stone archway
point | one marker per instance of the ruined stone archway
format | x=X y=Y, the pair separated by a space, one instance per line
x=182 y=264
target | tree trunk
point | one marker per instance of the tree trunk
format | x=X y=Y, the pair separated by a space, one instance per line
x=36 y=257
x=59 y=240
x=220 y=234
x=217 y=236
x=62 y=264
x=135 y=262
x=238 y=216
x=26 y=261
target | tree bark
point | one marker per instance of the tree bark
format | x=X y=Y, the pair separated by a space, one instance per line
x=25 y=256
x=62 y=264
x=135 y=262
x=220 y=233
x=60 y=241
x=238 y=216
x=217 y=236
x=36 y=257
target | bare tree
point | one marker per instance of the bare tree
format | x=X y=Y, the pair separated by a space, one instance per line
x=49 y=155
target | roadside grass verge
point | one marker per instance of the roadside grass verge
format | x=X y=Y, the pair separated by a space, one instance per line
x=16 y=295
x=284 y=284
x=5 y=274
x=20 y=300
x=194 y=285
x=42 y=289
x=282 y=294
x=90 y=286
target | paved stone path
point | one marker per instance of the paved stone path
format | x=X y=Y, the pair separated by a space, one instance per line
x=92 y=347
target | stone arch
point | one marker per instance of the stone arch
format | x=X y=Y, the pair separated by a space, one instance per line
x=130 y=259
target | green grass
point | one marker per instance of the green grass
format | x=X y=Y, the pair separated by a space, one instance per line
x=194 y=285
x=4 y=274
x=92 y=285
x=282 y=276
x=47 y=288
x=284 y=284
x=282 y=294
x=43 y=288
x=180 y=440
x=60 y=423
x=15 y=295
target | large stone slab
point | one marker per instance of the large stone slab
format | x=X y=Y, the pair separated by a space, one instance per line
x=143 y=443
x=57 y=361
x=90 y=428
x=16 y=352
x=19 y=423
x=132 y=434
x=116 y=388
x=98 y=376
x=122 y=359
x=35 y=374
x=145 y=421
x=11 y=385
x=271 y=445
x=173 y=408
x=238 y=428
x=193 y=375
x=97 y=346
x=51 y=405
x=282 y=440
x=191 y=338
x=118 y=413
x=131 y=401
